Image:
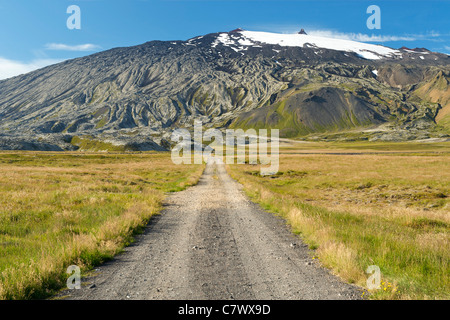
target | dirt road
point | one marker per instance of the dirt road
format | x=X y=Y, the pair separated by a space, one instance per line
x=211 y=242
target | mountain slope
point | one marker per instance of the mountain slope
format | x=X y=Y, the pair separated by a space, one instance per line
x=318 y=110
x=436 y=89
x=134 y=97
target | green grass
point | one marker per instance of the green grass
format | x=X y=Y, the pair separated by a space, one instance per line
x=287 y=121
x=87 y=143
x=389 y=210
x=444 y=125
x=58 y=209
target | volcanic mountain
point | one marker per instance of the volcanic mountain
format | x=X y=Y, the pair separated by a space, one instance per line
x=307 y=86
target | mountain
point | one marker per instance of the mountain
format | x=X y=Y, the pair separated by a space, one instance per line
x=313 y=87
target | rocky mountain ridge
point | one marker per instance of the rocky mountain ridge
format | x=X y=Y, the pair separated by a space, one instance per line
x=132 y=98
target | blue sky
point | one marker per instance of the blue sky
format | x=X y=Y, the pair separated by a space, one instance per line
x=33 y=33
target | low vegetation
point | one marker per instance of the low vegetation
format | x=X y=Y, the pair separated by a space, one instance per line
x=88 y=143
x=59 y=209
x=363 y=204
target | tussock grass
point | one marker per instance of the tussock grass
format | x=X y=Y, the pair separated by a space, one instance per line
x=58 y=209
x=354 y=211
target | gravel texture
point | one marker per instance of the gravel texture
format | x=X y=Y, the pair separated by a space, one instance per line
x=212 y=243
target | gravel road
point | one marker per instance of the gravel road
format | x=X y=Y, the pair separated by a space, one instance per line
x=211 y=242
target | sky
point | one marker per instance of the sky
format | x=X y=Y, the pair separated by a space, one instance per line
x=34 y=33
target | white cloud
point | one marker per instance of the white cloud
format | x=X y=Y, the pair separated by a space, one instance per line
x=10 y=68
x=66 y=47
x=360 y=36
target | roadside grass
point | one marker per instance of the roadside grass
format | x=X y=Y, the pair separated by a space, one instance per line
x=369 y=147
x=59 y=209
x=354 y=211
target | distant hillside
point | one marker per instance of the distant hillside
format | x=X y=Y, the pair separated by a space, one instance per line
x=132 y=98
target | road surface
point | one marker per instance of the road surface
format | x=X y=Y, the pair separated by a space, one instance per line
x=211 y=242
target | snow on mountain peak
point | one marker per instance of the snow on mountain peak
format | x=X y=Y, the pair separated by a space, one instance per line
x=239 y=39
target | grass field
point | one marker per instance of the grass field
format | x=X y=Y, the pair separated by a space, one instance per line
x=389 y=209
x=355 y=204
x=59 y=209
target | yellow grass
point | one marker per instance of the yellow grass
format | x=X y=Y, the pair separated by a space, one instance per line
x=58 y=209
x=390 y=210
